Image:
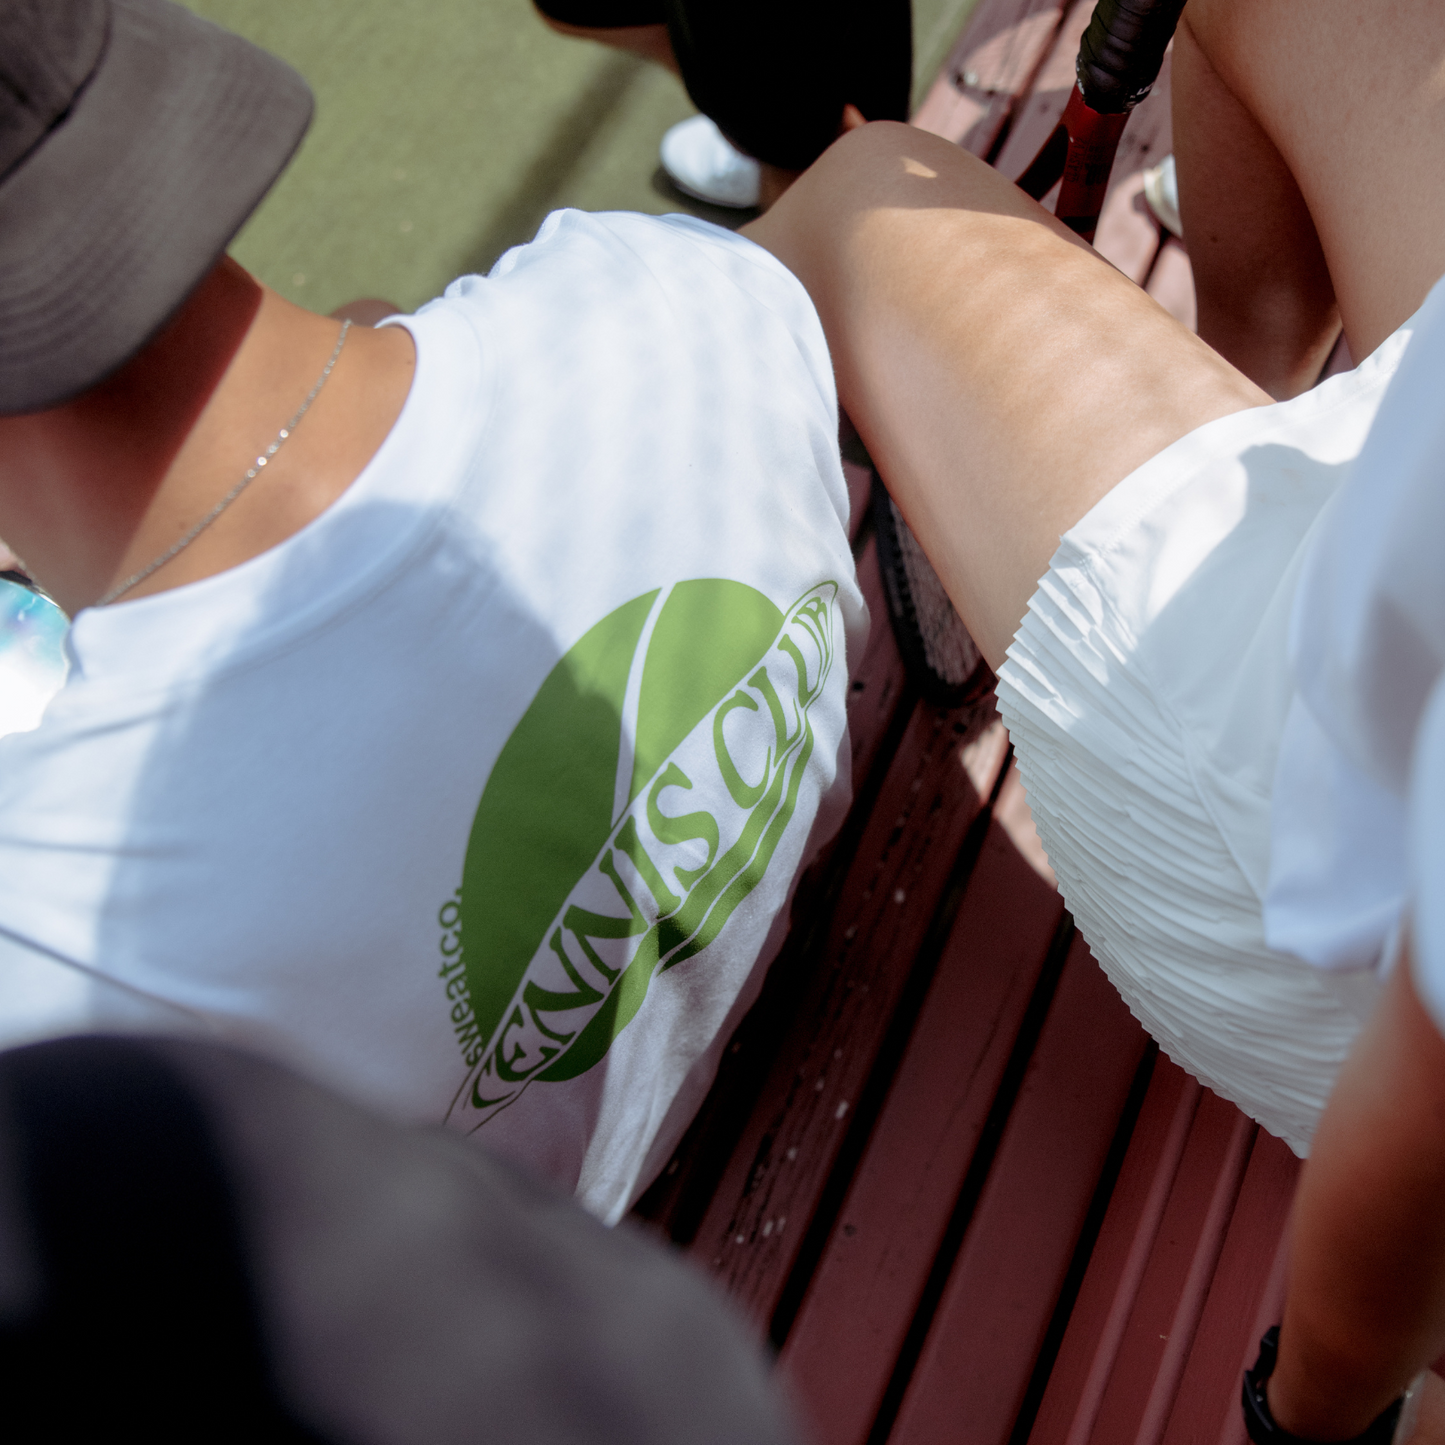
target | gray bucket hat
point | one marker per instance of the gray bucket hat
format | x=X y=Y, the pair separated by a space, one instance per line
x=135 y=139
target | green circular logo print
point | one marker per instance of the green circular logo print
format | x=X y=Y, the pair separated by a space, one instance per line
x=636 y=804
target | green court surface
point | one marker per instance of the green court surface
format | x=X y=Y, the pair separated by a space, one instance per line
x=446 y=130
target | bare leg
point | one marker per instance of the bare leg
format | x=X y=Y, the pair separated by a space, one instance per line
x=1266 y=302
x=1002 y=375
x=1349 y=99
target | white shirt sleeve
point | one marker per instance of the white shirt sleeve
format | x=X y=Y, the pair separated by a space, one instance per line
x=1427 y=855
x=42 y=997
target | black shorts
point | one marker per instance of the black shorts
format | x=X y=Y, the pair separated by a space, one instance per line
x=775 y=74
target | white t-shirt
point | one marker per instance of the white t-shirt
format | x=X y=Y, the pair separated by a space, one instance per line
x=483 y=796
x=1358 y=816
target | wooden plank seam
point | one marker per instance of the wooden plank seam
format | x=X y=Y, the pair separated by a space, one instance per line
x=864 y=1293
x=1244 y=1297
x=1083 y=1257
x=975 y=1179
x=1271 y=1305
x=1137 y=1261
x=1201 y=1272
x=885 y=1067
x=973 y=1375
x=990 y=69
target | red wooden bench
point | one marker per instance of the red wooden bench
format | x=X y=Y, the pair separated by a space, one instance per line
x=943 y=1169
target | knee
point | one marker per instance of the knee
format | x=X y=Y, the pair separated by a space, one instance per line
x=879 y=167
x=870 y=152
x=876 y=138
x=852 y=168
x=888 y=162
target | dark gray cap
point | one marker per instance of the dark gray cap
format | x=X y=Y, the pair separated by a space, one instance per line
x=135 y=139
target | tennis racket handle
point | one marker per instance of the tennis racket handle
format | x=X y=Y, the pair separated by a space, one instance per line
x=1122 y=50
x=1093 y=140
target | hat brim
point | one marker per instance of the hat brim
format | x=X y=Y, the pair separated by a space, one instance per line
x=116 y=216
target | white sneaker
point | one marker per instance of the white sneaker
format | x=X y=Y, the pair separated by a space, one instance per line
x=704 y=163
x=1161 y=190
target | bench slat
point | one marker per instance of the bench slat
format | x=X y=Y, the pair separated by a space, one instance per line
x=988 y=71
x=767 y=1196
x=859 y=477
x=1036 y=114
x=1187 y=1265
x=1171 y=1296
x=1101 y=1312
x=852 y=1324
x=976 y=1364
x=1246 y=1297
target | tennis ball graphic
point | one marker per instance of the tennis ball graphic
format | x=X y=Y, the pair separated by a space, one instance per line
x=617 y=833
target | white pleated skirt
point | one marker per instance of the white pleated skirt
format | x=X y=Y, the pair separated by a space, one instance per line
x=1146 y=693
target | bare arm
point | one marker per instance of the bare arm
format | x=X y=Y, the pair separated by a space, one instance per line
x=1365 y=1309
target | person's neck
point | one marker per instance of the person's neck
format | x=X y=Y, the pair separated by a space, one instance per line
x=93 y=490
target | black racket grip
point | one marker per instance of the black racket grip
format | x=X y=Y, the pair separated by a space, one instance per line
x=1122 y=51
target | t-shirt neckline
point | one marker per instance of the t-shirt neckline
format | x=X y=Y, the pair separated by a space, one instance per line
x=326 y=566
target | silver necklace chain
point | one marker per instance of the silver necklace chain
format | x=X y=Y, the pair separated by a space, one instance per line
x=121 y=588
